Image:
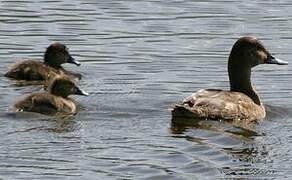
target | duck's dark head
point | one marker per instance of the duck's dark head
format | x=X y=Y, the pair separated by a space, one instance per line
x=64 y=86
x=248 y=52
x=58 y=54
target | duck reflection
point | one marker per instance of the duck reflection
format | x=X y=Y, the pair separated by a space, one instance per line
x=231 y=140
x=233 y=127
x=37 y=122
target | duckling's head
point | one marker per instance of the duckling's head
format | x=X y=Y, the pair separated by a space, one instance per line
x=248 y=52
x=57 y=54
x=64 y=86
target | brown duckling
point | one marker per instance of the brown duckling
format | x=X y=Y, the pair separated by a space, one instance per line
x=54 y=101
x=241 y=102
x=34 y=70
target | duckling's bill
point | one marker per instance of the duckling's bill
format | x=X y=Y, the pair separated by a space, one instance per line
x=81 y=92
x=73 y=61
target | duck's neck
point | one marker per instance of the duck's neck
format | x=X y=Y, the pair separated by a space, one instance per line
x=239 y=78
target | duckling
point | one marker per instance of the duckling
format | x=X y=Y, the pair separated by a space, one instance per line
x=241 y=102
x=54 y=101
x=34 y=70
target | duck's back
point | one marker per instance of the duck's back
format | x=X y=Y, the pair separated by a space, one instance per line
x=31 y=70
x=219 y=104
x=45 y=103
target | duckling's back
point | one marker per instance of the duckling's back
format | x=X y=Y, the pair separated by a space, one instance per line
x=37 y=102
x=30 y=70
x=45 y=103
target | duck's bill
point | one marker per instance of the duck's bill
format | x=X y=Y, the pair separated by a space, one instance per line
x=73 y=61
x=81 y=92
x=273 y=60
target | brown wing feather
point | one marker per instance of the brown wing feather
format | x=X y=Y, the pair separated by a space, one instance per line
x=219 y=104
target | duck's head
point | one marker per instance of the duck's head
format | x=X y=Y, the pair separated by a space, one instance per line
x=64 y=86
x=249 y=52
x=57 y=54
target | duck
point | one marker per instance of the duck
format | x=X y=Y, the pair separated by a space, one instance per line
x=34 y=70
x=54 y=101
x=241 y=102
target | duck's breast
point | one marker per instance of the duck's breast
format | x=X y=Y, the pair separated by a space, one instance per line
x=66 y=106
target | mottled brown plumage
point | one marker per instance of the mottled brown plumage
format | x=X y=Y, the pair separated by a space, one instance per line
x=54 y=101
x=219 y=104
x=241 y=102
x=35 y=70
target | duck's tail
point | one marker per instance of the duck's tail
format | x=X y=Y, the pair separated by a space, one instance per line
x=183 y=114
x=182 y=110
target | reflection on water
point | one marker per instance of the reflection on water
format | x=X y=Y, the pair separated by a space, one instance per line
x=138 y=59
x=235 y=127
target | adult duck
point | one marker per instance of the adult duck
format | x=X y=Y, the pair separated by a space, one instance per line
x=241 y=102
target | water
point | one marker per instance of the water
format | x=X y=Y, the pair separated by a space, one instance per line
x=139 y=58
